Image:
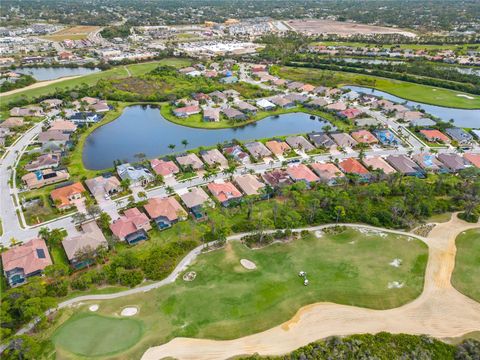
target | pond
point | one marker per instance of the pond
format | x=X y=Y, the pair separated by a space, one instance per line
x=461 y=117
x=142 y=129
x=52 y=73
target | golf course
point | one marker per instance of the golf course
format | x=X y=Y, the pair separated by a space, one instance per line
x=359 y=267
x=466 y=274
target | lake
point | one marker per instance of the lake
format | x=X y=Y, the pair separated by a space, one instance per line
x=142 y=129
x=52 y=73
x=461 y=117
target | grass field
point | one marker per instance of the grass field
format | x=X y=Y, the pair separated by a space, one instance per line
x=91 y=79
x=94 y=335
x=227 y=301
x=410 y=91
x=466 y=275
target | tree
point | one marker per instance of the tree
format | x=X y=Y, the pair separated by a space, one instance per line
x=169 y=190
x=125 y=184
x=142 y=195
x=171 y=147
x=104 y=220
x=79 y=218
x=52 y=237
x=93 y=211
x=185 y=143
x=340 y=212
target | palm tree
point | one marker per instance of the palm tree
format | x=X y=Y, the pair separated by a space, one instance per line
x=171 y=147
x=185 y=143
x=169 y=190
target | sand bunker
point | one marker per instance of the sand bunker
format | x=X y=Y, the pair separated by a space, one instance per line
x=396 y=262
x=93 y=307
x=247 y=264
x=466 y=96
x=129 y=311
x=318 y=234
x=190 y=276
x=395 y=285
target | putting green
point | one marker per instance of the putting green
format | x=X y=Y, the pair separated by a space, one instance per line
x=466 y=275
x=95 y=335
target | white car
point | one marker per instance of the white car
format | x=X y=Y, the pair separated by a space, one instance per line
x=107 y=197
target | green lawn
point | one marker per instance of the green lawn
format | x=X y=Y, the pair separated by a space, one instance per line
x=91 y=79
x=227 y=301
x=410 y=91
x=466 y=275
x=94 y=335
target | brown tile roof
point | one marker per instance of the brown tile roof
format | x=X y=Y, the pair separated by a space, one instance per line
x=327 y=171
x=164 y=168
x=301 y=173
x=91 y=237
x=249 y=184
x=165 y=207
x=194 y=197
x=277 y=147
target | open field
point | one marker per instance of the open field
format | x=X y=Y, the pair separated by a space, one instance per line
x=466 y=275
x=227 y=301
x=72 y=33
x=316 y=26
x=45 y=88
x=407 y=90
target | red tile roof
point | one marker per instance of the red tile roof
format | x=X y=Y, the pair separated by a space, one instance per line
x=353 y=166
x=63 y=194
x=474 y=159
x=301 y=172
x=224 y=191
x=435 y=135
x=130 y=222
x=164 y=168
x=26 y=257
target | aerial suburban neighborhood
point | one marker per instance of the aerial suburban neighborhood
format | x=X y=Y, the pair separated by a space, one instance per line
x=284 y=179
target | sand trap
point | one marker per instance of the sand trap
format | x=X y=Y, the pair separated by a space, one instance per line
x=129 y=311
x=396 y=262
x=190 y=276
x=93 y=307
x=395 y=285
x=466 y=96
x=318 y=234
x=247 y=264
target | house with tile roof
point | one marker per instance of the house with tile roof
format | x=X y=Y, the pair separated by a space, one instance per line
x=453 y=162
x=277 y=147
x=378 y=163
x=26 y=260
x=299 y=142
x=12 y=122
x=132 y=226
x=190 y=160
x=137 y=175
x=257 y=150
x=103 y=185
x=211 y=114
x=45 y=161
x=404 y=165
x=277 y=178
x=473 y=159
x=165 y=168
x=224 y=192
x=344 y=140
x=327 y=172
x=428 y=162
x=301 y=172
x=186 y=111
x=165 y=211
x=249 y=184
x=353 y=166
x=41 y=178
x=89 y=240
x=434 y=135
x=195 y=200
x=66 y=196
x=364 y=137
x=459 y=135
x=214 y=157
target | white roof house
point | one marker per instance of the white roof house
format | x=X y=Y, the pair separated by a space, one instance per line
x=265 y=104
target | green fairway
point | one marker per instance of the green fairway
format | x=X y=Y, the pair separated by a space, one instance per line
x=94 y=335
x=466 y=275
x=227 y=301
x=406 y=90
x=114 y=73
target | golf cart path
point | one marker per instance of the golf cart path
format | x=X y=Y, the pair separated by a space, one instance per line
x=440 y=311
